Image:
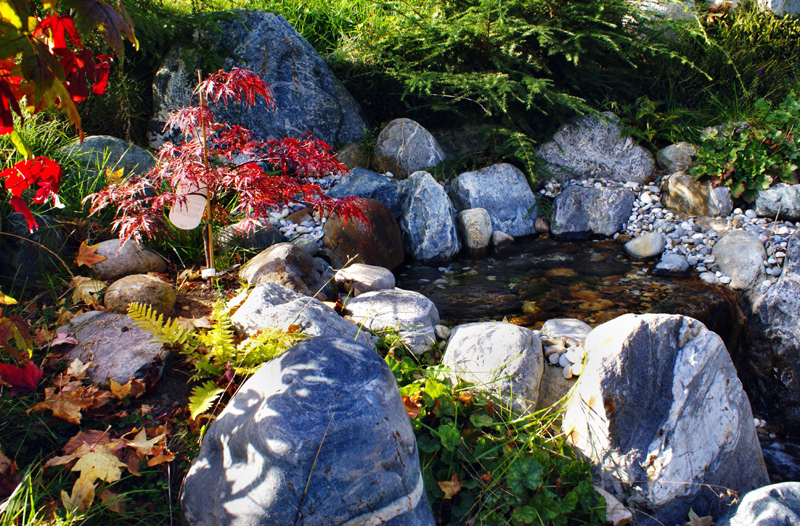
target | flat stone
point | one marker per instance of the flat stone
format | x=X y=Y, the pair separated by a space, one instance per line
x=781 y=201
x=566 y=328
x=320 y=429
x=117 y=345
x=131 y=259
x=410 y=313
x=647 y=246
x=359 y=278
x=664 y=405
x=404 y=147
x=501 y=240
x=498 y=357
x=489 y=188
x=367 y=184
x=672 y=264
x=140 y=288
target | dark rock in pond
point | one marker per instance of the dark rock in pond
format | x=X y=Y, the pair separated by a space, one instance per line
x=326 y=415
x=307 y=95
x=774 y=351
x=404 y=147
x=379 y=242
x=292 y=267
x=27 y=256
x=99 y=153
x=775 y=505
x=117 y=345
x=369 y=185
x=672 y=264
x=781 y=200
x=490 y=188
x=662 y=414
x=579 y=212
x=429 y=220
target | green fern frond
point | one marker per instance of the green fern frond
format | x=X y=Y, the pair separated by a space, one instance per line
x=219 y=340
x=170 y=332
x=203 y=397
x=264 y=347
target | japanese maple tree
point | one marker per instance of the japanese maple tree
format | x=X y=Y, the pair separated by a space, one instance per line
x=220 y=160
x=44 y=64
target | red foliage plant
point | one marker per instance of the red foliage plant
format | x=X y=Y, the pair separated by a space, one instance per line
x=226 y=161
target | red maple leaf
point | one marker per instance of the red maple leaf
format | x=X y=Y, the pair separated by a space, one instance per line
x=58 y=27
x=81 y=72
x=41 y=171
x=22 y=379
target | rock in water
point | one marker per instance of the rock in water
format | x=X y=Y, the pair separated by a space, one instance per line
x=594 y=147
x=647 y=246
x=579 y=212
x=359 y=278
x=741 y=255
x=774 y=505
x=490 y=188
x=327 y=414
x=664 y=418
x=475 y=227
x=404 y=147
x=498 y=357
x=307 y=95
x=429 y=220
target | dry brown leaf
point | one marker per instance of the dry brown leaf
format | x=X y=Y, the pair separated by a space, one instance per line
x=412 y=408
x=131 y=459
x=162 y=455
x=112 y=501
x=86 y=290
x=77 y=369
x=63 y=409
x=42 y=336
x=146 y=408
x=82 y=495
x=87 y=255
x=142 y=445
x=695 y=520
x=450 y=487
x=90 y=439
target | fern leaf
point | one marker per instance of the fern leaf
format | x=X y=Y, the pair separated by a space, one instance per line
x=203 y=397
x=219 y=340
x=170 y=332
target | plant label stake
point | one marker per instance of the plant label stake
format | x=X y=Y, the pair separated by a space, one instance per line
x=188 y=214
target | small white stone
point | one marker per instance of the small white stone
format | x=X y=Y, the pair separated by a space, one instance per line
x=442 y=332
x=750 y=213
x=725 y=279
x=563 y=361
x=568 y=372
x=553 y=358
x=576 y=369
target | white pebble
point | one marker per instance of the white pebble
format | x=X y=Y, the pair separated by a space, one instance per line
x=568 y=372
x=563 y=361
x=553 y=358
x=725 y=279
x=576 y=369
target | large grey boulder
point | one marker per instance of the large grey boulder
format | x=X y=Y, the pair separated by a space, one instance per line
x=429 y=219
x=741 y=255
x=579 y=212
x=781 y=200
x=119 y=347
x=307 y=95
x=410 y=313
x=292 y=267
x=404 y=147
x=367 y=184
x=498 y=357
x=130 y=259
x=273 y=306
x=99 y=153
x=774 y=505
x=664 y=418
x=27 y=256
x=318 y=436
x=504 y=192
x=773 y=359
x=593 y=147
x=683 y=193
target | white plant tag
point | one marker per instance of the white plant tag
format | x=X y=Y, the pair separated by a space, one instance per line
x=188 y=215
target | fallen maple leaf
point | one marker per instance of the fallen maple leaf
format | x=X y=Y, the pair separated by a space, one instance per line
x=162 y=455
x=22 y=379
x=77 y=369
x=87 y=255
x=134 y=388
x=82 y=495
x=101 y=464
x=68 y=404
x=86 y=290
x=450 y=487
x=112 y=501
x=142 y=445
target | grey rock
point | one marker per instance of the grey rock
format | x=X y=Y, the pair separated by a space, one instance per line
x=22 y=257
x=781 y=7
x=428 y=223
x=679 y=10
x=676 y=157
x=490 y=188
x=320 y=429
x=646 y=246
x=352 y=155
x=501 y=240
x=662 y=415
x=117 y=345
x=774 y=353
x=553 y=387
x=359 y=278
x=140 y=288
x=131 y=259
x=542 y=225
x=672 y=264
x=369 y=185
x=566 y=328
x=781 y=200
x=741 y=255
x=498 y=357
x=410 y=313
x=271 y=305
x=264 y=236
x=307 y=95
x=579 y=212
x=99 y=153
x=404 y=147
x=307 y=242
x=680 y=191
x=774 y=505
x=292 y=267
x=475 y=227
x=593 y=147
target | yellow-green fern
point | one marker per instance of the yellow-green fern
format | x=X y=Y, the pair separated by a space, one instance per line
x=170 y=332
